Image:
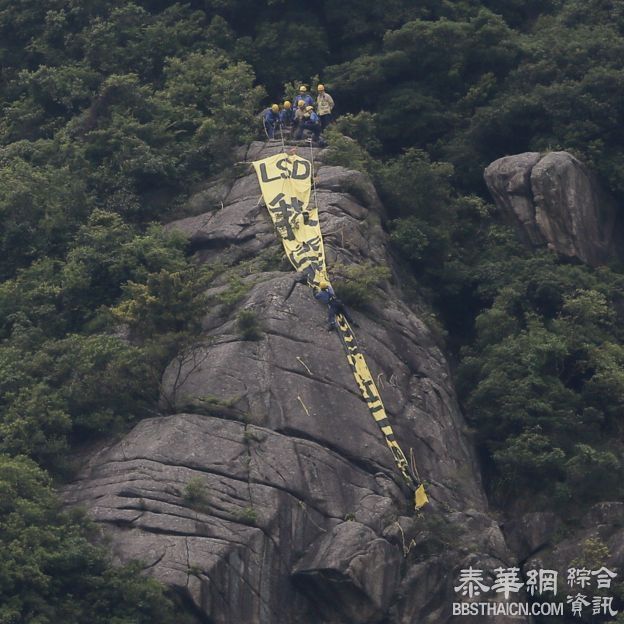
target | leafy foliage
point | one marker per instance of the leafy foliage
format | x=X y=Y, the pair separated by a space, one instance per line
x=52 y=573
x=356 y=284
x=68 y=371
x=549 y=340
x=249 y=326
x=195 y=492
x=110 y=111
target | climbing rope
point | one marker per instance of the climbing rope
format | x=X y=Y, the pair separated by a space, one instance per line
x=286 y=181
x=313 y=175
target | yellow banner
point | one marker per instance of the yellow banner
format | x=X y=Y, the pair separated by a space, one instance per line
x=285 y=181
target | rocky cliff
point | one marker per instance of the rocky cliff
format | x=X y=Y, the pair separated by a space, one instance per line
x=267 y=495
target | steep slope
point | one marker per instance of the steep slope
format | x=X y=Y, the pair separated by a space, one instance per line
x=269 y=496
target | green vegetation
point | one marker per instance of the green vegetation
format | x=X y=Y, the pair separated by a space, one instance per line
x=248 y=516
x=356 y=282
x=86 y=336
x=110 y=111
x=52 y=573
x=538 y=341
x=248 y=325
x=543 y=382
x=195 y=493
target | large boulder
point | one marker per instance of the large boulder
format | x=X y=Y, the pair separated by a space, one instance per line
x=557 y=201
x=268 y=495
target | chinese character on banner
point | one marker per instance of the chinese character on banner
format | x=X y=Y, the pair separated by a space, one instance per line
x=604 y=577
x=602 y=605
x=507 y=581
x=541 y=581
x=284 y=212
x=471 y=582
x=578 y=602
x=580 y=577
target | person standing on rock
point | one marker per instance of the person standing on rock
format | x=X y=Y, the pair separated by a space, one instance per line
x=270 y=119
x=324 y=106
x=304 y=96
x=325 y=294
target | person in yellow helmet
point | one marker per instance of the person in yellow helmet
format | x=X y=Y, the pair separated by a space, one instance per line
x=270 y=119
x=298 y=117
x=324 y=106
x=305 y=96
x=287 y=115
x=325 y=294
x=310 y=122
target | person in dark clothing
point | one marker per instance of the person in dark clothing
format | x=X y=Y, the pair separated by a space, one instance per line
x=304 y=96
x=287 y=115
x=325 y=294
x=298 y=118
x=310 y=122
x=271 y=119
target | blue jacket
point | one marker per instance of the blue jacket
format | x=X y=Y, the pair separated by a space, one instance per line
x=314 y=118
x=286 y=116
x=324 y=296
x=270 y=117
x=307 y=98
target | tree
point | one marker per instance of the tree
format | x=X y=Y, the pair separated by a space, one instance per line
x=40 y=208
x=50 y=571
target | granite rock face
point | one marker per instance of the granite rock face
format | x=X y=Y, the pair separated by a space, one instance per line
x=555 y=200
x=597 y=542
x=268 y=495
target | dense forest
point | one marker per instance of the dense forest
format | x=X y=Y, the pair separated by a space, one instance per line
x=111 y=111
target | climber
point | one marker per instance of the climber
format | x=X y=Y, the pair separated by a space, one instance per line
x=301 y=106
x=270 y=119
x=305 y=96
x=287 y=115
x=325 y=294
x=298 y=118
x=324 y=106
x=310 y=122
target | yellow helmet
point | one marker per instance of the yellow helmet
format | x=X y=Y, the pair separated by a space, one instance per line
x=287 y=105
x=309 y=108
x=275 y=108
x=303 y=89
x=320 y=88
x=300 y=103
x=323 y=285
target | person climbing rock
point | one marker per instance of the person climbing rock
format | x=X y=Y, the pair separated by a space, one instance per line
x=325 y=294
x=324 y=106
x=271 y=119
x=304 y=96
